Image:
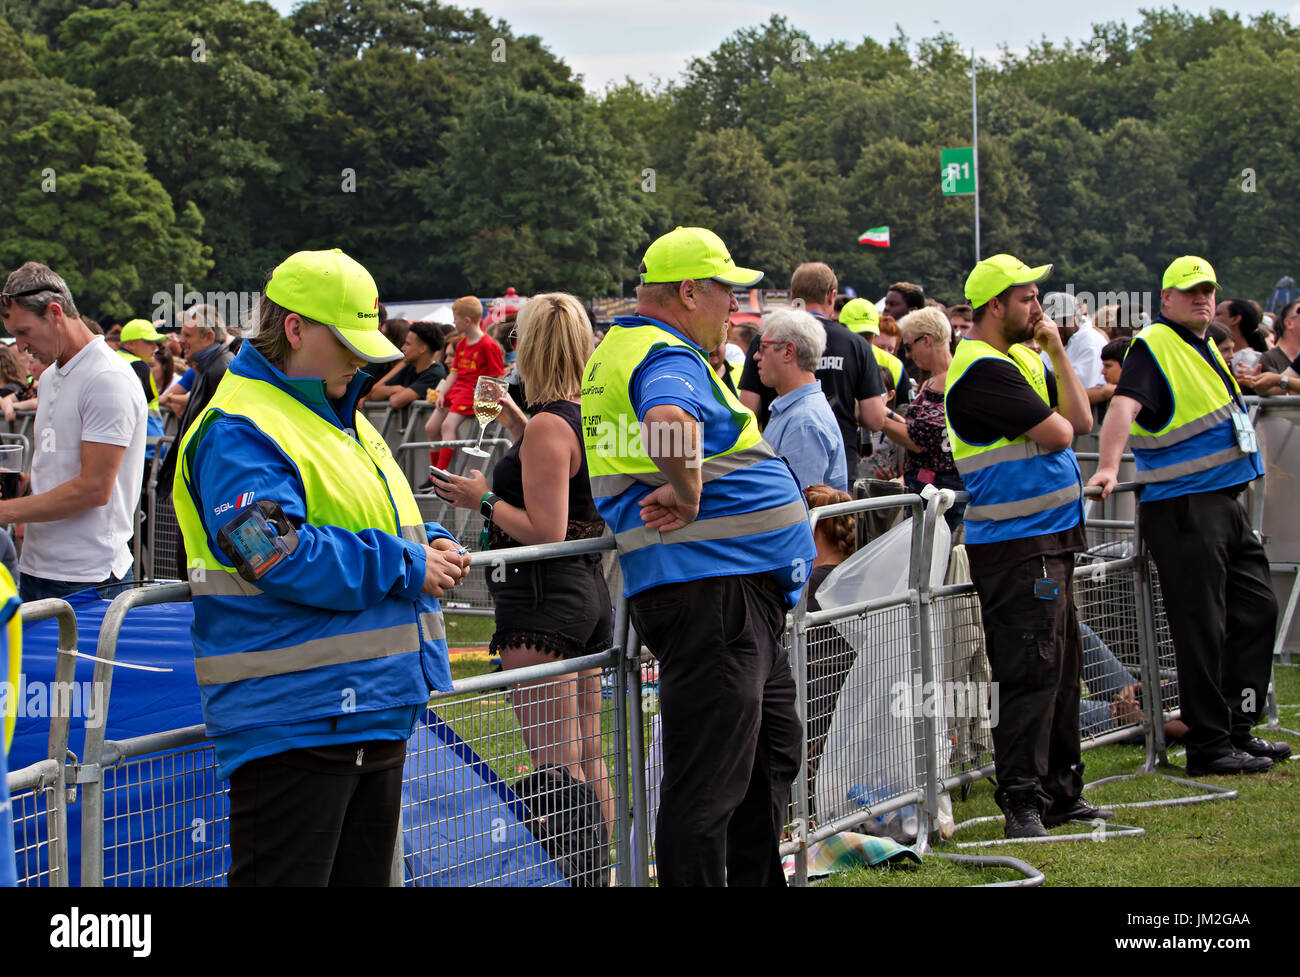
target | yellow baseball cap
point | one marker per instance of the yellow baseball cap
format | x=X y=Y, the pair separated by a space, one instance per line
x=860 y=315
x=1188 y=271
x=693 y=252
x=993 y=276
x=139 y=329
x=331 y=288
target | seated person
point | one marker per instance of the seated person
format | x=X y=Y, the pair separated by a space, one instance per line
x=417 y=372
x=1112 y=696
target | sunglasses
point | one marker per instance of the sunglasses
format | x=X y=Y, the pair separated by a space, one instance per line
x=6 y=298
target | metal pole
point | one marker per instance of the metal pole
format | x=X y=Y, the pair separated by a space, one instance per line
x=1149 y=656
x=640 y=826
x=975 y=149
x=929 y=820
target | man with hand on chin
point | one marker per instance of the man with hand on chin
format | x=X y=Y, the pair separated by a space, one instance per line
x=1010 y=424
x=1195 y=450
x=714 y=545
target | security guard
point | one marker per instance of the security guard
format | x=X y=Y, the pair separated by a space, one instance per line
x=139 y=343
x=713 y=540
x=1010 y=425
x=317 y=635
x=11 y=654
x=1195 y=450
x=859 y=315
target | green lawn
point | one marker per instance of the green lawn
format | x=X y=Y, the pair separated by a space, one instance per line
x=1249 y=840
x=1246 y=841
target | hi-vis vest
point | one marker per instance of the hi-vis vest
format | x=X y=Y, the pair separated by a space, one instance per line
x=153 y=384
x=11 y=651
x=1196 y=451
x=890 y=362
x=1018 y=488
x=752 y=517
x=260 y=660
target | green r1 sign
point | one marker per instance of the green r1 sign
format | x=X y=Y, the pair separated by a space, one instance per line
x=957 y=171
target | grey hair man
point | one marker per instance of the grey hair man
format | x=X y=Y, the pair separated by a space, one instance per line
x=803 y=428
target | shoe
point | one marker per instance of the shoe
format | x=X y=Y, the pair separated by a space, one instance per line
x=1257 y=747
x=1080 y=810
x=1228 y=765
x=426 y=487
x=1025 y=822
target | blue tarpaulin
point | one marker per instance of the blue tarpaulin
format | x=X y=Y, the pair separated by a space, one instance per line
x=165 y=821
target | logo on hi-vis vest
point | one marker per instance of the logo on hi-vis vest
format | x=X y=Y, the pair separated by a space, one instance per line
x=239 y=503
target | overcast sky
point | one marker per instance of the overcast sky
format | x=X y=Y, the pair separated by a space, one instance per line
x=605 y=40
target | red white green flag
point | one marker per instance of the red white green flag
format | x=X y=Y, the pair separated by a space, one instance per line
x=878 y=236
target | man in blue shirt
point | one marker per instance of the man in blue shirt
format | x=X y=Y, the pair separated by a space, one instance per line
x=803 y=428
x=714 y=545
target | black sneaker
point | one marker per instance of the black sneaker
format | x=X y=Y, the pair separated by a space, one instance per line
x=426 y=487
x=1229 y=765
x=1024 y=822
x=1080 y=810
x=1257 y=747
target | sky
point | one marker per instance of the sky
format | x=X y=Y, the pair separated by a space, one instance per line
x=606 y=40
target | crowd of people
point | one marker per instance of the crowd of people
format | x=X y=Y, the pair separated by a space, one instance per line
x=711 y=524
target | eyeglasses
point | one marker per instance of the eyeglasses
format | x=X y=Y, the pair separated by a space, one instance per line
x=775 y=342
x=7 y=297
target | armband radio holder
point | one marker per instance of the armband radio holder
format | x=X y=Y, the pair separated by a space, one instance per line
x=258 y=539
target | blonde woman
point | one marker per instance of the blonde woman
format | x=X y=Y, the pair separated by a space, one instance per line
x=921 y=427
x=540 y=493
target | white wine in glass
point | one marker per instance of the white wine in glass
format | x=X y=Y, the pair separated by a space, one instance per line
x=487 y=405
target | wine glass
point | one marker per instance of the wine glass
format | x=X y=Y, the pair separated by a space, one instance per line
x=487 y=405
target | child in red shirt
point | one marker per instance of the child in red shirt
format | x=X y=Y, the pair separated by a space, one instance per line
x=477 y=354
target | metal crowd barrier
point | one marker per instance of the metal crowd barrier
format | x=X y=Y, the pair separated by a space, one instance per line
x=158 y=795
x=39 y=794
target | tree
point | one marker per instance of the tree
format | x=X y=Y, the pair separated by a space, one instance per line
x=75 y=194
x=214 y=90
x=730 y=188
x=536 y=178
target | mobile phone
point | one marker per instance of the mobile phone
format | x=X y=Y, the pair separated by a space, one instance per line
x=438 y=473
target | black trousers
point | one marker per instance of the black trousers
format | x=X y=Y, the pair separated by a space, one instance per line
x=1222 y=614
x=315 y=817
x=1035 y=656
x=731 y=735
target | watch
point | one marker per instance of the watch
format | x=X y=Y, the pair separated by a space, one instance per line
x=486 y=503
x=1286 y=383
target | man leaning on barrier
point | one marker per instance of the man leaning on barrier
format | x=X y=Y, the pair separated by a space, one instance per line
x=317 y=633
x=713 y=541
x=1195 y=451
x=1011 y=424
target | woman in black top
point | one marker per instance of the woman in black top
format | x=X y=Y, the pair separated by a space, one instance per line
x=557 y=608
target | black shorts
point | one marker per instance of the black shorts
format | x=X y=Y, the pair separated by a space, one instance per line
x=560 y=607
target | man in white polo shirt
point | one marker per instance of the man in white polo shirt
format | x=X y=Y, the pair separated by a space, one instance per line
x=88 y=444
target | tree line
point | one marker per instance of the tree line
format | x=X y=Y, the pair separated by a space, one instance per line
x=154 y=142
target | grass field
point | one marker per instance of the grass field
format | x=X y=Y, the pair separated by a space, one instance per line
x=1249 y=840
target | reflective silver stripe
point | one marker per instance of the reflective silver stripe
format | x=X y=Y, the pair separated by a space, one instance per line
x=1170 y=472
x=415 y=534
x=1024 y=507
x=432 y=625
x=605 y=486
x=220 y=583
x=719 y=527
x=1008 y=452
x=1180 y=434
x=335 y=650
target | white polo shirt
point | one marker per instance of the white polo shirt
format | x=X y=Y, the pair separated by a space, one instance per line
x=94 y=397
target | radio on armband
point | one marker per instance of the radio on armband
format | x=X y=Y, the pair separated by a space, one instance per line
x=258 y=539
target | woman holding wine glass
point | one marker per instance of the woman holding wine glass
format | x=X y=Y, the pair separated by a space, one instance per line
x=541 y=493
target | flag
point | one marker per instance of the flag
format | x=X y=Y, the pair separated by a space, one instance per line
x=879 y=236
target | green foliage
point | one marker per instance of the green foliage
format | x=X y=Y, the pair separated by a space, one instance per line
x=75 y=194
x=449 y=153
x=535 y=195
